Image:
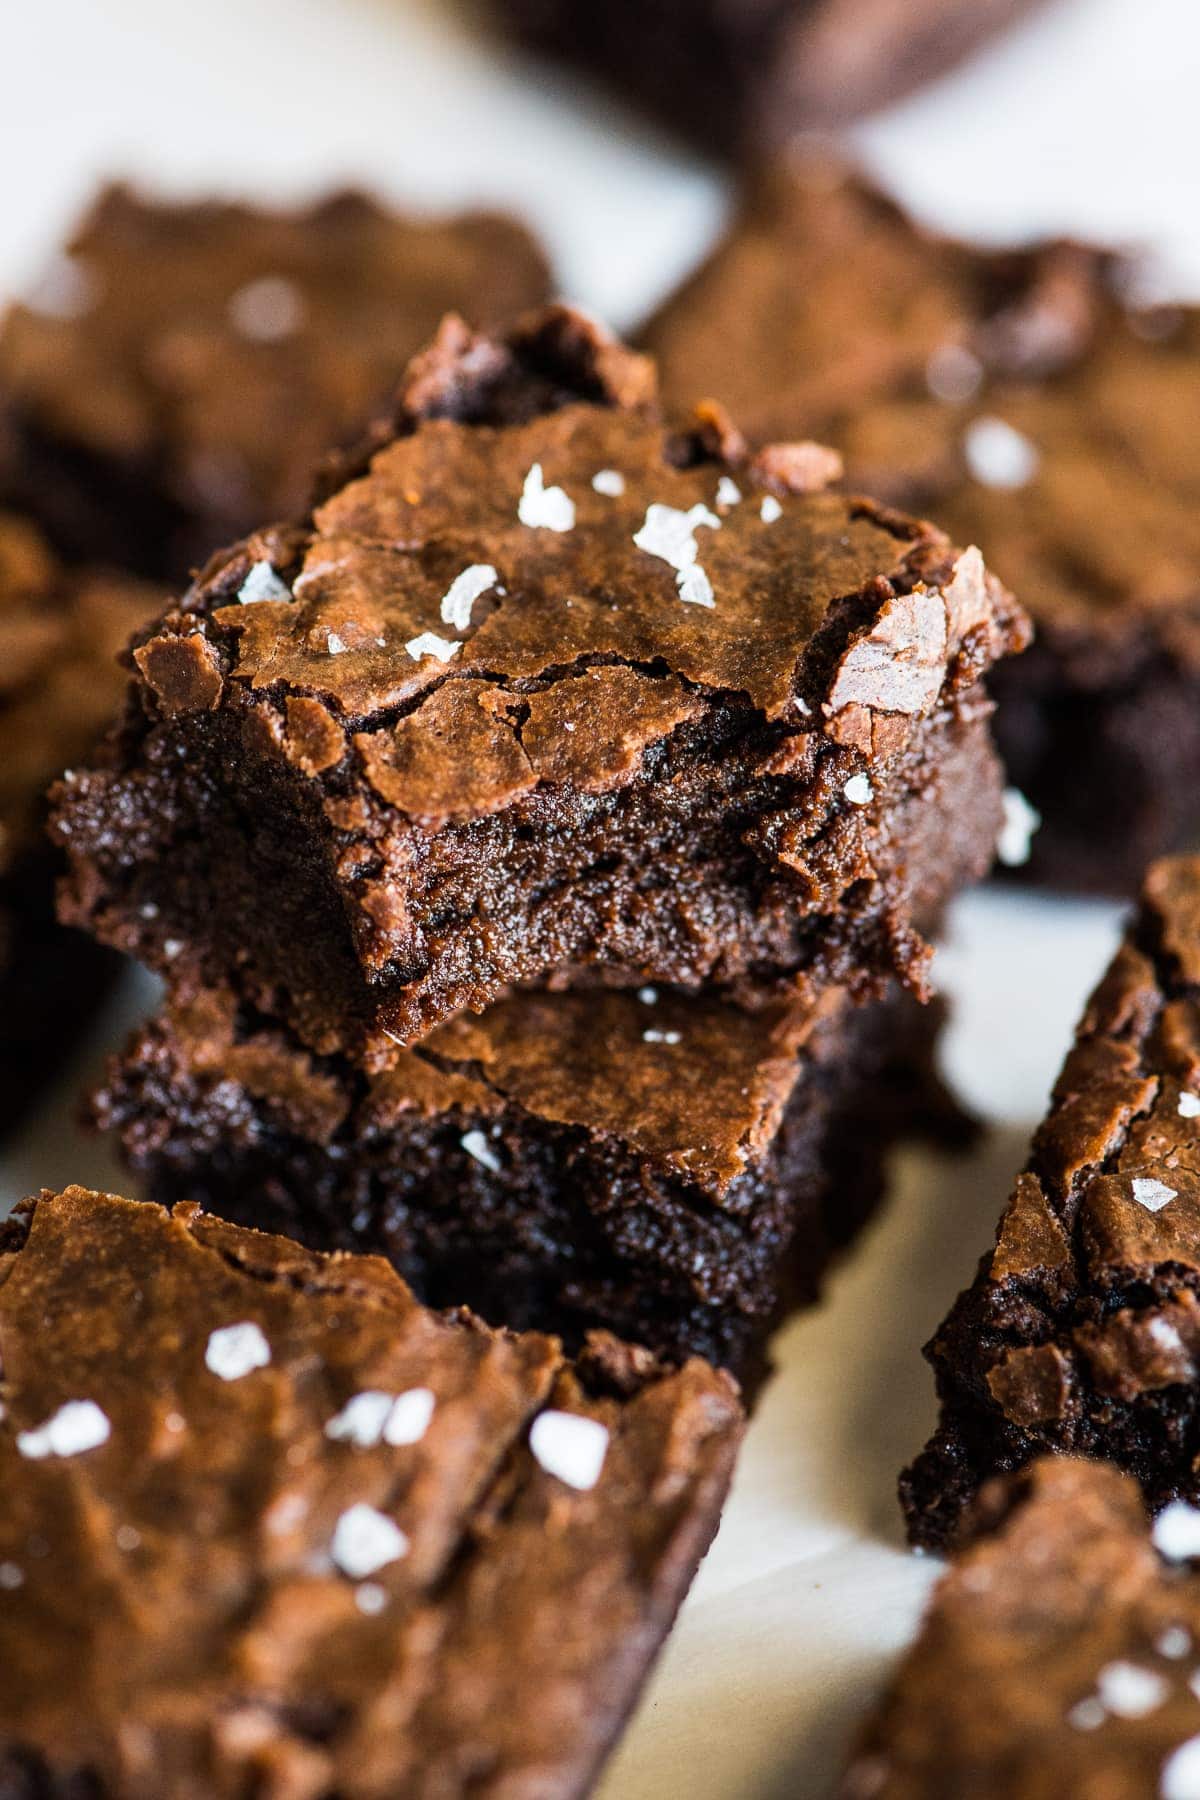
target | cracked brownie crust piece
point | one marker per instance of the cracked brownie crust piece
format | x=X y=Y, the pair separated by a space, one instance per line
x=270 y=1526
x=672 y=1168
x=1082 y=1330
x=177 y=374
x=746 y=75
x=541 y=689
x=1022 y=401
x=60 y=684
x=1059 y=1658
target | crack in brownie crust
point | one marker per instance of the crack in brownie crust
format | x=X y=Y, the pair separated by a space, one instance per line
x=180 y=371
x=678 y=737
x=1022 y=399
x=60 y=685
x=672 y=1168
x=1082 y=1330
x=226 y=1569
x=1058 y=1659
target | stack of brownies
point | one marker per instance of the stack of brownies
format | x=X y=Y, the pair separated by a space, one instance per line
x=540 y=837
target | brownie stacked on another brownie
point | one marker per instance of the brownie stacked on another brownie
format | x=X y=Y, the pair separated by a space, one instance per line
x=1059 y=1658
x=1022 y=400
x=272 y=1527
x=173 y=379
x=1082 y=1330
x=60 y=685
x=671 y=1167
x=542 y=691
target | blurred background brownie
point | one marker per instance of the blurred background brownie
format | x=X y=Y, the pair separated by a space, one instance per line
x=1023 y=401
x=271 y=1527
x=734 y=75
x=1058 y=1657
x=60 y=685
x=671 y=1168
x=176 y=375
x=1081 y=1332
x=543 y=691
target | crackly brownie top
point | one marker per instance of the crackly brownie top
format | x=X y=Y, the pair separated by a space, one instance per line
x=229 y=346
x=270 y=1525
x=695 y=1086
x=1101 y=1238
x=1020 y=397
x=527 y=579
x=1059 y=1658
x=60 y=681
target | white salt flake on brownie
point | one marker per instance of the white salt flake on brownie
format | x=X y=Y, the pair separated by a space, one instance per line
x=477 y=1146
x=262 y=583
x=669 y=533
x=570 y=1447
x=11 y=1576
x=370 y=1598
x=1174 y=1643
x=464 y=591
x=858 y=790
x=237 y=1350
x=1176 y=1531
x=335 y=645
x=662 y=1037
x=1152 y=1194
x=728 y=492
x=362 y=1419
x=267 y=310
x=1129 y=1691
x=410 y=1416
x=366 y=1540
x=695 y=589
x=1180 y=1779
x=545 y=508
x=1087 y=1715
x=610 y=482
x=1021 y=821
x=770 y=510
x=953 y=374
x=1189 y=1106
x=428 y=643
x=999 y=456
x=648 y=996
x=77 y=1426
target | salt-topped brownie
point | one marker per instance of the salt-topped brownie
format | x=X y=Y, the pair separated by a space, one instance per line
x=60 y=685
x=1082 y=1330
x=1031 y=402
x=272 y=1527
x=543 y=689
x=1059 y=1658
x=175 y=374
x=672 y=1168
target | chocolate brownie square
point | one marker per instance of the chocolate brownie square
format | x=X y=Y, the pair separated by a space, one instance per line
x=733 y=77
x=173 y=379
x=1024 y=401
x=60 y=685
x=669 y=1167
x=1082 y=1330
x=272 y=1527
x=1059 y=1658
x=543 y=690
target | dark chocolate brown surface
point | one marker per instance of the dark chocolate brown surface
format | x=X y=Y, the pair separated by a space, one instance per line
x=270 y=1526
x=1082 y=1330
x=1059 y=1658
x=539 y=689
x=60 y=685
x=741 y=76
x=1018 y=399
x=176 y=375
x=668 y=1167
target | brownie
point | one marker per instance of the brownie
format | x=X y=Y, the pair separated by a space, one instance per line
x=736 y=77
x=485 y=718
x=1059 y=1658
x=1082 y=1329
x=173 y=379
x=271 y=1527
x=1021 y=399
x=60 y=684
x=669 y=1167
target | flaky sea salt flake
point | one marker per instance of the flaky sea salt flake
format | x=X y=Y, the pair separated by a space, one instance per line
x=570 y=1447
x=1016 y=833
x=1176 y=1531
x=545 y=508
x=237 y=1350
x=610 y=482
x=477 y=1146
x=770 y=510
x=428 y=643
x=464 y=591
x=1129 y=1691
x=695 y=589
x=77 y=1426
x=858 y=790
x=262 y=583
x=1151 y=1194
x=999 y=456
x=669 y=533
x=366 y=1540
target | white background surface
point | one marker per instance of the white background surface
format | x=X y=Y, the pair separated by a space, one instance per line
x=1084 y=119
